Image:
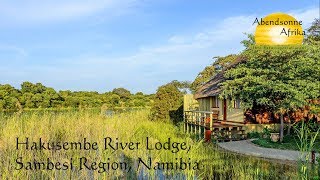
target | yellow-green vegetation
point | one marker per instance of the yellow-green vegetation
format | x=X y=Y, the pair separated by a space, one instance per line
x=127 y=127
x=168 y=101
x=38 y=96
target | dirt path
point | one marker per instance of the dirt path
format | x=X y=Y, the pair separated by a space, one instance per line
x=248 y=148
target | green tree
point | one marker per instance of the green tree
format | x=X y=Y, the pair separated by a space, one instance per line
x=249 y=41
x=139 y=94
x=211 y=70
x=32 y=88
x=313 y=33
x=139 y=100
x=113 y=100
x=37 y=99
x=9 y=98
x=50 y=98
x=39 y=96
x=122 y=92
x=167 y=98
x=283 y=78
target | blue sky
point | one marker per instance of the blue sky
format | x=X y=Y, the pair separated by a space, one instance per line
x=98 y=45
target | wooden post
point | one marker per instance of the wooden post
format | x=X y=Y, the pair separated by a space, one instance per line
x=184 y=120
x=196 y=123
x=224 y=109
x=204 y=131
x=188 y=128
x=230 y=133
x=203 y=125
x=195 y=128
x=211 y=123
x=192 y=117
x=192 y=124
x=197 y=116
x=187 y=122
x=199 y=126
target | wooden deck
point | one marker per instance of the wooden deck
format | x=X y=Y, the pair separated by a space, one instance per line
x=207 y=125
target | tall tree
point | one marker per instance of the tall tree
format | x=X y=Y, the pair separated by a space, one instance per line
x=249 y=41
x=122 y=92
x=168 y=98
x=9 y=98
x=211 y=70
x=282 y=78
x=313 y=33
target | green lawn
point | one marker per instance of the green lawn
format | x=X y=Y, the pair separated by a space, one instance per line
x=289 y=142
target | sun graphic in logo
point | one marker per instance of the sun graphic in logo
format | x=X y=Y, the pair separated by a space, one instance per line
x=279 y=29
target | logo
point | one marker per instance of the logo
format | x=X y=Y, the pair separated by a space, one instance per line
x=278 y=29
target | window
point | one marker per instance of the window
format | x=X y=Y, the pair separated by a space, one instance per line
x=215 y=101
x=236 y=104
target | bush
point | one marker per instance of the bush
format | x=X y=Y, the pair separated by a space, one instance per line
x=266 y=132
x=253 y=134
x=167 y=102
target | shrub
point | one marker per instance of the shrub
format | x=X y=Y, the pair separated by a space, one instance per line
x=253 y=134
x=167 y=101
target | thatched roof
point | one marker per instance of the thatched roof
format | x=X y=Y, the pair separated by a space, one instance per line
x=213 y=86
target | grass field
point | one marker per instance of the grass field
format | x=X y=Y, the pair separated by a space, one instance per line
x=127 y=127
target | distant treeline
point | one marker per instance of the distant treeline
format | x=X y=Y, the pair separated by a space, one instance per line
x=32 y=96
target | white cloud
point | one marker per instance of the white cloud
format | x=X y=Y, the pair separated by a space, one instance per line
x=181 y=58
x=32 y=11
x=306 y=16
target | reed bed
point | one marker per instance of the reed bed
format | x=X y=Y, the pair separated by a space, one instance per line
x=127 y=127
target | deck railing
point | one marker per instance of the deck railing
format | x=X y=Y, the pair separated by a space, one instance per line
x=198 y=122
x=201 y=118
